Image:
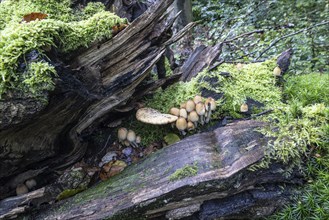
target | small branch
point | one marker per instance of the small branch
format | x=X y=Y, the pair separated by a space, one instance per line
x=243 y=35
x=259 y=114
x=289 y=35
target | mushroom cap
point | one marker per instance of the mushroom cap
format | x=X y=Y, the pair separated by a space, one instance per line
x=183 y=105
x=174 y=111
x=244 y=108
x=277 y=71
x=190 y=126
x=239 y=66
x=197 y=99
x=30 y=183
x=193 y=116
x=152 y=116
x=190 y=105
x=183 y=113
x=131 y=136
x=200 y=108
x=181 y=124
x=21 y=189
x=122 y=134
x=210 y=102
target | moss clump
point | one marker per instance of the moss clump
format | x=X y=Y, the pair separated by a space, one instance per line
x=171 y=138
x=254 y=81
x=69 y=193
x=174 y=95
x=186 y=171
x=308 y=89
x=62 y=29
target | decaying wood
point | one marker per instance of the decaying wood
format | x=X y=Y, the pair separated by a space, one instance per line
x=201 y=58
x=223 y=187
x=90 y=85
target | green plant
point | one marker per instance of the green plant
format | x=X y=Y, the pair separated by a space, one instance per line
x=186 y=171
x=63 y=29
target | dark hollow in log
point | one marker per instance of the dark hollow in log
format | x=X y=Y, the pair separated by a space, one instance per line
x=222 y=188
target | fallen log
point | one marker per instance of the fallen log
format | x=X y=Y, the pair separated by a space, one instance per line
x=37 y=138
x=204 y=176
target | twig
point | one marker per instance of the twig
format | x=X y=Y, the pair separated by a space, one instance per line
x=259 y=114
x=289 y=35
x=244 y=34
x=107 y=141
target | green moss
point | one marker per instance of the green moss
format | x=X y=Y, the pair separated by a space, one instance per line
x=308 y=89
x=186 y=171
x=69 y=193
x=167 y=67
x=171 y=138
x=149 y=133
x=173 y=96
x=255 y=81
x=62 y=29
x=307 y=123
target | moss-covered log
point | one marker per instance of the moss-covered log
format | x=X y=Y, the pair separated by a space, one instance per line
x=37 y=137
x=204 y=176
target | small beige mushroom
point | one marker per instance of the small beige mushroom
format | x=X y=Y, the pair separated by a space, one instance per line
x=190 y=105
x=197 y=99
x=174 y=111
x=122 y=134
x=201 y=110
x=181 y=125
x=183 y=105
x=138 y=139
x=239 y=66
x=31 y=183
x=244 y=108
x=152 y=116
x=21 y=189
x=194 y=118
x=183 y=113
x=126 y=143
x=277 y=71
x=190 y=126
x=210 y=106
x=131 y=137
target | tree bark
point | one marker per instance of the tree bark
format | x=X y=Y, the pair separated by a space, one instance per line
x=222 y=188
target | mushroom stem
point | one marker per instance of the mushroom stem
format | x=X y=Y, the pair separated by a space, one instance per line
x=182 y=132
x=202 y=119
x=134 y=144
x=208 y=116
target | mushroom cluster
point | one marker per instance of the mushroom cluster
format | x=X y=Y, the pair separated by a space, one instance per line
x=24 y=188
x=128 y=138
x=193 y=112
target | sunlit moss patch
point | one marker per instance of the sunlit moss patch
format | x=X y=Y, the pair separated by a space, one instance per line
x=64 y=28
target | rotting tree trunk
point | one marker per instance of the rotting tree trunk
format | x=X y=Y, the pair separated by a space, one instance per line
x=36 y=139
x=222 y=188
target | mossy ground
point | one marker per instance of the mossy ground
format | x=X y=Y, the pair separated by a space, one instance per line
x=65 y=29
x=308 y=104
